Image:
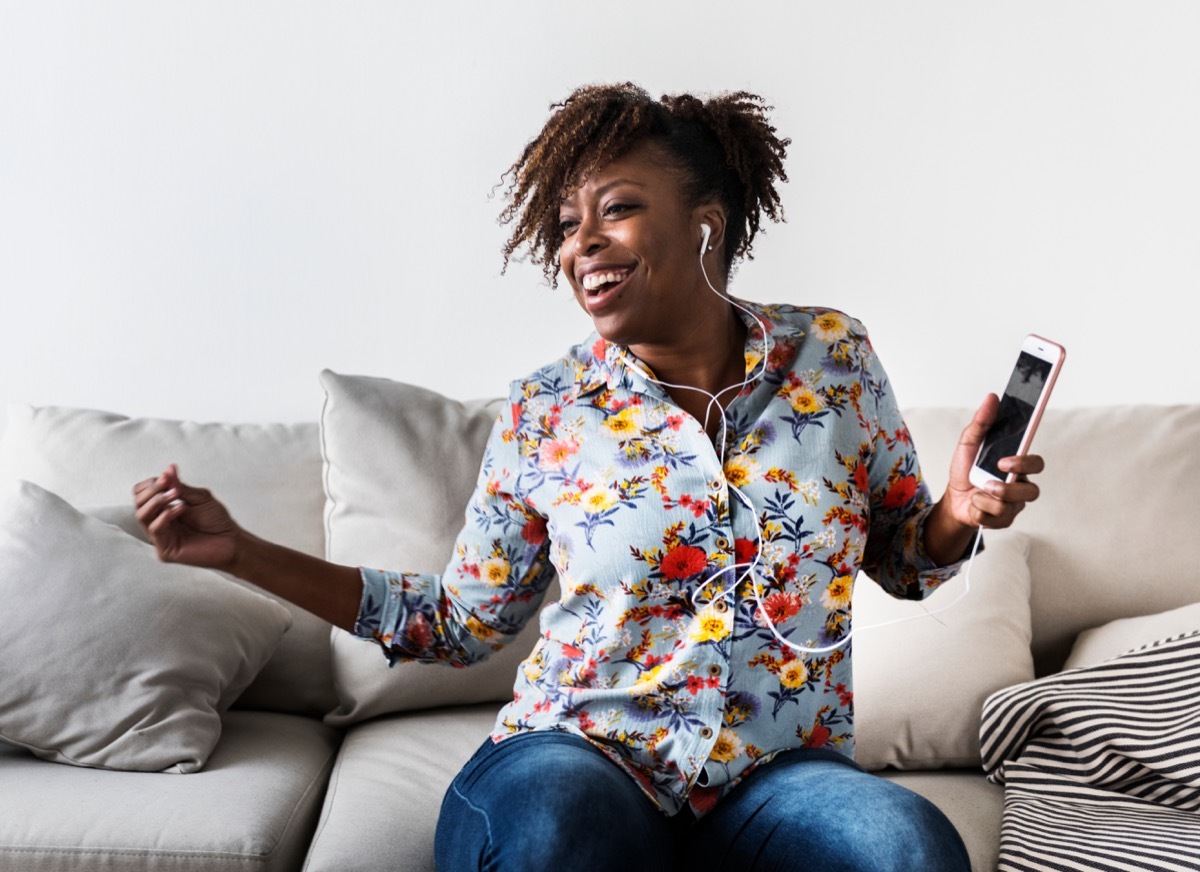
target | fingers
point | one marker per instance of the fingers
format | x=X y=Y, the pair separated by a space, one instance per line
x=997 y=504
x=985 y=416
x=159 y=501
x=1029 y=464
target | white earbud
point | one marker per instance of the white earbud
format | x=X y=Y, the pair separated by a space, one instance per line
x=707 y=231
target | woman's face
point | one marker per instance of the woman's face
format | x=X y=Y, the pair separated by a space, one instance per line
x=631 y=250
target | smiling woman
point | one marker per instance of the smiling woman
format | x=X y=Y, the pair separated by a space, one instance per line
x=706 y=477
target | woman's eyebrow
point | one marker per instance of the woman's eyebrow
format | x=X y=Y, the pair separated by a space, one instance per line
x=603 y=188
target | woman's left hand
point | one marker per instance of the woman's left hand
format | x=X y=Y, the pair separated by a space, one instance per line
x=996 y=504
x=965 y=507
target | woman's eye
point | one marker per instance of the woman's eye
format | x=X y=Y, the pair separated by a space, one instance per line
x=617 y=208
x=566 y=226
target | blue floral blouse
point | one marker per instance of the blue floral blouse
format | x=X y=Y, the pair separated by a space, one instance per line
x=660 y=650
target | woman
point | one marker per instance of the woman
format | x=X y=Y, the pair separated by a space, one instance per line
x=706 y=477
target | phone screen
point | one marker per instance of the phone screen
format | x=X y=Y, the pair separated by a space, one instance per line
x=1025 y=385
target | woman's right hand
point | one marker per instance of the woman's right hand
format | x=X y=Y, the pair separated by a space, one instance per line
x=185 y=524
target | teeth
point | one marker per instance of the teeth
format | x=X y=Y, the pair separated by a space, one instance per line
x=595 y=280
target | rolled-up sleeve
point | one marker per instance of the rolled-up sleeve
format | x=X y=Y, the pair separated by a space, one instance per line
x=895 y=555
x=493 y=584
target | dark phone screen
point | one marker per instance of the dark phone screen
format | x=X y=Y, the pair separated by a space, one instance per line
x=1025 y=385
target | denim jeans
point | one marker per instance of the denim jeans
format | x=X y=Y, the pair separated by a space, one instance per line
x=551 y=801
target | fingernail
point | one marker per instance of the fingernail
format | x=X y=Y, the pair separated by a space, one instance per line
x=175 y=504
x=993 y=487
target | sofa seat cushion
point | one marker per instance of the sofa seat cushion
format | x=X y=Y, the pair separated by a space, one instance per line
x=252 y=808
x=389 y=781
x=972 y=803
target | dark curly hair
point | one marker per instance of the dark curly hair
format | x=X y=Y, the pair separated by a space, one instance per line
x=723 y=147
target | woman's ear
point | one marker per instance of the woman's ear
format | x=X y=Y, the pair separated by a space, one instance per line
x=713 y=217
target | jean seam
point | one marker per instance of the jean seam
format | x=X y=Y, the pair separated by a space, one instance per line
x=487 y=822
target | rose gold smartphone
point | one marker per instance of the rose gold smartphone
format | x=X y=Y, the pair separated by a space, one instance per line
x=1020 y=408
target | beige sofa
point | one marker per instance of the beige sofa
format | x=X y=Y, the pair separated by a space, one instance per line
x=328 y=760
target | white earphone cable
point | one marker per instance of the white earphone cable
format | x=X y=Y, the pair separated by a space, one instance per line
x=752 y=567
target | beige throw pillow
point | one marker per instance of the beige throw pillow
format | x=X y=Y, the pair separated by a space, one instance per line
x=1125 y=634
x=269 y=475
x=919 y=685
x=400 y=466
x=112 y=659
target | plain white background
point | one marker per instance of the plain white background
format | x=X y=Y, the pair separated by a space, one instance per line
x=202 y=204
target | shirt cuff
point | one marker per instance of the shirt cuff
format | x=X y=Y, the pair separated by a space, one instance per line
x=371 y=608
x=928 y=569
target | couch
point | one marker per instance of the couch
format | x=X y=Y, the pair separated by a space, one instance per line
x=312 y=754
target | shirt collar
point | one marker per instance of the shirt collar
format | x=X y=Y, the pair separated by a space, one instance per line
x=601 y=364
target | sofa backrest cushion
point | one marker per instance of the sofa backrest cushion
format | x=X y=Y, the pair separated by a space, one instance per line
x=400 y=466
x=1113 y=532
x=269 y=475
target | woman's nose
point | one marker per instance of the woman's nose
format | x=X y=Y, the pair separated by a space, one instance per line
x=589 y=236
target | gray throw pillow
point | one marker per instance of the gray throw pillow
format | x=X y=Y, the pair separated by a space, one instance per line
x=113 y=659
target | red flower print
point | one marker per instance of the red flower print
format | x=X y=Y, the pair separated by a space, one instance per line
x=683 y=561
x=820 y=735
x=419 y=631
x=534 y=531
x=743 y=550
x=599 y=349
x=780 y=606
x=845 y=697
x=860 y=478
x=572 y=652
x=901 y=492
x=703 y=799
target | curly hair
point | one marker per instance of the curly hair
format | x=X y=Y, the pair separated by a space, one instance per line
x=724 y=148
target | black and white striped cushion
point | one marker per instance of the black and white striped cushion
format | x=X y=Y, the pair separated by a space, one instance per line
x=1101 y=765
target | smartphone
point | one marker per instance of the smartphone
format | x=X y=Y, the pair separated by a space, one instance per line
x=1020 y=408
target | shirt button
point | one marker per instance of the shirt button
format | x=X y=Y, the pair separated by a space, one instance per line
x=722 y=543
x=714 y=670
x=706 y=732
x=721 y=605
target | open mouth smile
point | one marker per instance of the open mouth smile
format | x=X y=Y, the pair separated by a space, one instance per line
x=599 y=282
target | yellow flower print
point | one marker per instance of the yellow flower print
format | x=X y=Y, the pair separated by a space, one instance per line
x=599 y=499
x=479 y=629
x=711 y=625
x=805 y=400
x=740 y=470
x=650 y=678
x=831 y=326
x=494 y=571
x=793 y=674
x=728 y=746
x=837 y=595
x=623 y=424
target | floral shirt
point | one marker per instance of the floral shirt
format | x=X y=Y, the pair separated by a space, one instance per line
x=658 y=650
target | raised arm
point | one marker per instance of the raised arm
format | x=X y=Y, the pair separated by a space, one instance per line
x=188 y=525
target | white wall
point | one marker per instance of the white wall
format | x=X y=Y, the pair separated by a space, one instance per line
x=202 y=204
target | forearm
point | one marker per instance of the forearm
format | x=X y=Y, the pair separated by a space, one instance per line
x=328 y=590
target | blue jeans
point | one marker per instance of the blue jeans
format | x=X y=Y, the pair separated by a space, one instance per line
x=550 y=800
